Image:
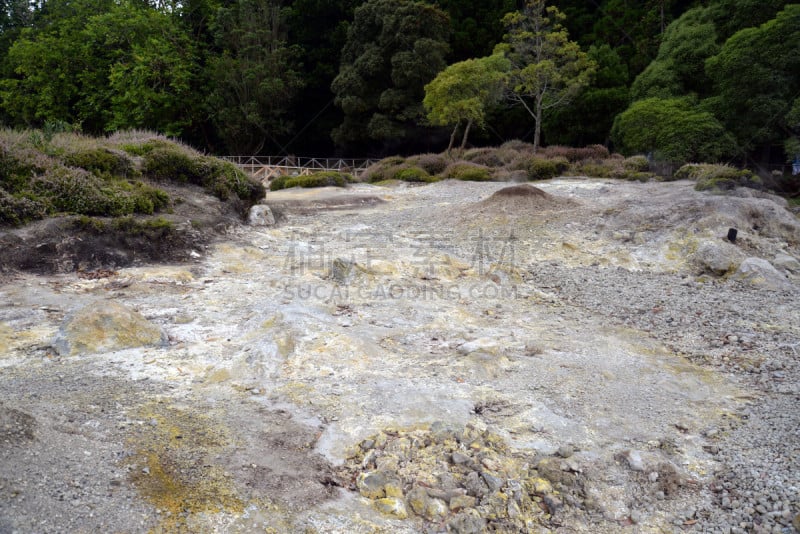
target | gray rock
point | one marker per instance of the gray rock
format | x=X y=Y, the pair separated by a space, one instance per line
x=634 y=460
x=105 y=326
x=718 y=258
x=787 y=263
x=760 y=273
x=260 y=215
x=492 y=481
x=342 y=270
x=475 y=485
x=467 y=522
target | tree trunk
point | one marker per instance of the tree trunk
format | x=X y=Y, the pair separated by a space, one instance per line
x=537 y=131
x=464 y=139
x=452 y=140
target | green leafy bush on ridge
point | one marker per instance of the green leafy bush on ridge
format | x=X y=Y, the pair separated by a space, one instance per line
x=72 y=174
x=318 y=179
x=717 y=177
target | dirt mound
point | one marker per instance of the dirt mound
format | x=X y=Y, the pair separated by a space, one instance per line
x=523 y=190
x=524 y=197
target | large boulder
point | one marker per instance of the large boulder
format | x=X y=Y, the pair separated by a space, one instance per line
x=260 y=215
x=760 y=273
x=718 y=258
x=105 y=326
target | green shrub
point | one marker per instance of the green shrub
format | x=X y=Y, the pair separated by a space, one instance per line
x=151 y=228
x=167 y=164
x=575 y=154
x=544 y=168
x=385 y=169
x=278 y=183
x=488 y=157
x=432 y=163
x=469 y=172
x=147 y=199
x=632 y=175
x=518 y=146
x=593 y=170
x=717 y=177
x=18 y=210
x=70 y=190
x=318 y=179
x=414 y=174
x=636 y=163
x=102 y=162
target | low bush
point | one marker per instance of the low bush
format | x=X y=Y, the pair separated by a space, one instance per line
x=151 y=228
x=576 y=154
x=17 y=210
x=469 y=172
x=517 y=146
x=385 y=169
x=489 y=157
x=717 y=177
x=412 y=173
x=539 y=168
x=431 y=163
x=102 y=162
x=80 y=175
x=636 y=163
x=318 y=179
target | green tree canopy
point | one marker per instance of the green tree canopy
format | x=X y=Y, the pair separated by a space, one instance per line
x=588 y=118
x=464 y=91
x=254 y=77
x=103 y=65
x=673 y=129
x=757 y=79
x=394 y=48
x=679 y=68
x=547 y=69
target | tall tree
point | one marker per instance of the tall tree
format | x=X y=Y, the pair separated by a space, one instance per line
x=476 y=25
x=588 y=118
x=672 y=129
x=151 y=83
x=319 y=29
x=757 y=79
x=679 y=68
x=394 y=48
x=463 y=93
x=547 y=69
x=254 y=77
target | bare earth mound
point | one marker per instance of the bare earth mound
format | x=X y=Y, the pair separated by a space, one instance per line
x=523 y=198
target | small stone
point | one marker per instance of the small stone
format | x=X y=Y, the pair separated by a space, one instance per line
x=492 y=481
x=653 y=476
x=467 y=522
x=462 y=501
x=460 y=458
x=475 y=485
x=634 y=459
x=378 y=484
x=542 y=486
x=796 y=522
x=392 y=506
x=260 y=215
x=553 y=503
x=636 y=517
x=565 y=451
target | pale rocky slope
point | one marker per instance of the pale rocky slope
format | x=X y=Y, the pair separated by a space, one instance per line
x=598 y=359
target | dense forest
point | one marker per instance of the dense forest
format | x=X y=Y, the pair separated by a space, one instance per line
x=682 y=80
